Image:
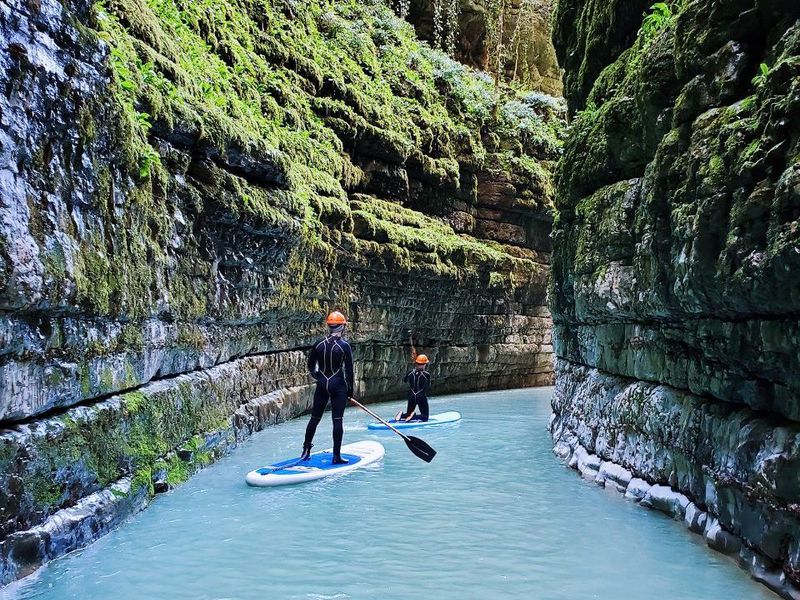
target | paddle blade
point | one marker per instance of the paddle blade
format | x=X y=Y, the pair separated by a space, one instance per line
x=419 y=448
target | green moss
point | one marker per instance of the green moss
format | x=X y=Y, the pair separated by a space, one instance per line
x=715 y=170
x=177 y=470
x=54 y=263
x=85 y=378
x=588 y=115
x=114 y=442
x=265 y=96
x=86 y=124
x=190 y=336
x=117 y=493
x=107 y=379
x=500 y=280
x=600 y=272
x=91 y=279
x=406 y=239
x=130 y=338
x=7 y=452
x=44 y=490
x=95 y=348
x=134 y=401
x=131 y=377
x=143 y=479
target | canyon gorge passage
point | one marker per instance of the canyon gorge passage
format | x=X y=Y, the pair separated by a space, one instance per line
x=187 y=188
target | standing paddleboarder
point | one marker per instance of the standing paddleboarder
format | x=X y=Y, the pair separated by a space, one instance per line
x=330 y=363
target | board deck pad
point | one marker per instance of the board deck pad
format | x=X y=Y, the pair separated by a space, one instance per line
x=321 y=460
x=440 y=419
x=293 y=470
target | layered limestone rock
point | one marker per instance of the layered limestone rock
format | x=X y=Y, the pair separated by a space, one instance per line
x=728 y=472
x=186 y=188
x=675 y=289
x=58 y=472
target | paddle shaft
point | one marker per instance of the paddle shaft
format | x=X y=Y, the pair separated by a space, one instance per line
x=289 y=466
x=419 y=447
x=364 y=408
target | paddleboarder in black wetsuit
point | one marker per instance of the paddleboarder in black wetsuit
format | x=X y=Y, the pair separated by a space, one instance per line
x=419 y=382
x=330 y=362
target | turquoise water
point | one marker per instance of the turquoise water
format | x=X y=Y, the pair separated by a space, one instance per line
x=494 y=516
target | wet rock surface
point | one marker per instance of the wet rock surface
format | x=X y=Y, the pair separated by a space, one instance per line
x=676 y=255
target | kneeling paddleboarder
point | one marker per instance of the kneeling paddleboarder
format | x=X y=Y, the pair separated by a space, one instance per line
x=419 y=382
x=330 y=363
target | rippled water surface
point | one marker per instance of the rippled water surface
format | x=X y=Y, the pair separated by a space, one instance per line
x=494 y=516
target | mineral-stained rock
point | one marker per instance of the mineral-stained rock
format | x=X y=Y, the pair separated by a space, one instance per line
x=563 y=451
x=68 y=529
x=587 y=464
x=733 y=461
x=676 y=257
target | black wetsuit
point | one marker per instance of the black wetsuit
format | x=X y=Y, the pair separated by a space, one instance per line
x=330 y=362
x=419 y=382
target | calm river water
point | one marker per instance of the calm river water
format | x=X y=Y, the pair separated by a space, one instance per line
x=495 y=515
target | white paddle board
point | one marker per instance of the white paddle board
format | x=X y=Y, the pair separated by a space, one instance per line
x=294 y=470
x=440 y=419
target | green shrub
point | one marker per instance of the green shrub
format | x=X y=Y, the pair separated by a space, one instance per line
x=761 y=77
x=659 y=18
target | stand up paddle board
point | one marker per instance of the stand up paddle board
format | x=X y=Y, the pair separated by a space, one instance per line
x=318 y=466
x=440 y=419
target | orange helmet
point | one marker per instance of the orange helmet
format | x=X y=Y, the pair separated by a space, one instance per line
x=335 y=319
x=421 y=360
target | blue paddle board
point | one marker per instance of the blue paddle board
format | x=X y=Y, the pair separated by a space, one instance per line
x=293 y=470
x=440 y=419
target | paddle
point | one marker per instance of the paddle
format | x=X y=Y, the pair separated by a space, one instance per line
x=417 y=446
x=289 y=466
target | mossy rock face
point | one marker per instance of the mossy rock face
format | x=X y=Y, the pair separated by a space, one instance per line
x=193 y=193
x=177 y=426
x=668 y=200
x=588 y=36
x=192 y=187
x=675 y=251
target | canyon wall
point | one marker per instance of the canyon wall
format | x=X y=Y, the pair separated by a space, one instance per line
x=676 y=268
x=186 y=188
x=527 y=47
